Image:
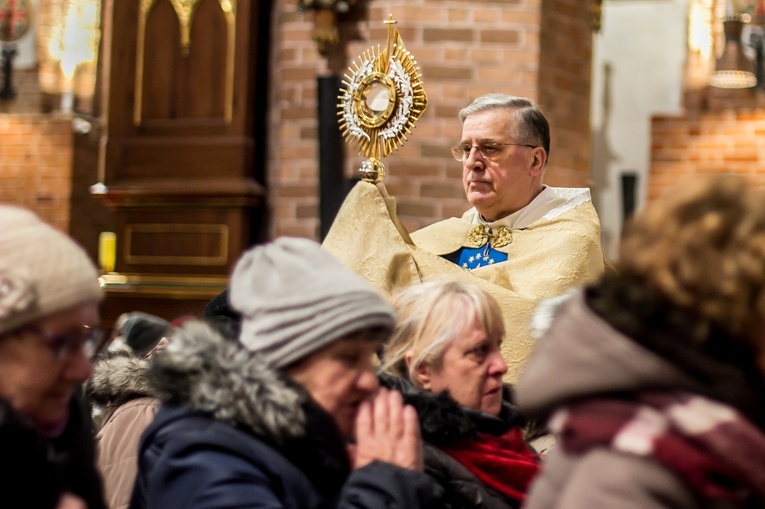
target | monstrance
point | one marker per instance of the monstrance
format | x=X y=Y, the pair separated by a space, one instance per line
x=382 y=100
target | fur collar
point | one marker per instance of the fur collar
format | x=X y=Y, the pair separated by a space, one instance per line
x=221 y=378
x=117 y=378
x=443 y=421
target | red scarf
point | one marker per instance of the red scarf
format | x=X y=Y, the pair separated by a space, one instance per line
x=504 y=463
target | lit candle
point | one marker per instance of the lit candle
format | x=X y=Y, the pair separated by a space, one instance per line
x=107 y=251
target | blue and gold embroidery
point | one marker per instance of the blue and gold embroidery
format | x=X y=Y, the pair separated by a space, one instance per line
x=480 y=247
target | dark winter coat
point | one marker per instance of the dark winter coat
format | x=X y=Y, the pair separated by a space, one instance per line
x=35 y=470
x=233 y=432
x=444 y=422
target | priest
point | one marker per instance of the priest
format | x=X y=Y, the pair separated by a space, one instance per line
x=522 y=241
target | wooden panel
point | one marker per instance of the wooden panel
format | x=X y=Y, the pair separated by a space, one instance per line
x=176 y=244
x=161 y=56
x=168 y=71
x=223 y=50
x=195 y=108
x=118 y=64
x=177 y=152
x=208 y=62
x=180 y=240
x=185 y=158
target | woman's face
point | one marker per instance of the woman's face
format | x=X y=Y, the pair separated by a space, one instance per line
x=340 y=377
x=35 y=379
x=471 y=370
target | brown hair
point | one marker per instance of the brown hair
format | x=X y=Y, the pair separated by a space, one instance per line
x=703 y=247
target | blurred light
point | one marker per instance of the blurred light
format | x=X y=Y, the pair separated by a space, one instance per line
x=733 y=68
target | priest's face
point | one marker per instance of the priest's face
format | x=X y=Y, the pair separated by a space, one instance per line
x=500 y=174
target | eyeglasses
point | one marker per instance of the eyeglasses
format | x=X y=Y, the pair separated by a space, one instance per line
x=84 y=337
x=487 y=150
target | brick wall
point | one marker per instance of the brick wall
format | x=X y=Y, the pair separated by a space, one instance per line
x=721 y=132
x=36 y=146
x=465 y=49
x=28 y=97
x=564 y=88
x=36 y=164
x=35 y=153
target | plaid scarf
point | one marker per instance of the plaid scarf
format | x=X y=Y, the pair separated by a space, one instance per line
x=711 y=446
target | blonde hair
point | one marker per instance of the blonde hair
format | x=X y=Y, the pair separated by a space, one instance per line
x=430 y=316
x=703 y=247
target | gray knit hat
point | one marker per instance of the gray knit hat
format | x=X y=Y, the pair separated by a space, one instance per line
x=295 y=298
x=42 y=270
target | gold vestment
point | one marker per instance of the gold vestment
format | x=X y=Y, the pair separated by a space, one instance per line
x=553 y=253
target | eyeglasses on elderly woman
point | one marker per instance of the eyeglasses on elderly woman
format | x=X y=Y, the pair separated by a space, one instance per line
x=84 y=338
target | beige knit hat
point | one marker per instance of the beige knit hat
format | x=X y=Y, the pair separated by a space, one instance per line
x=42 y=270
x=295 y=298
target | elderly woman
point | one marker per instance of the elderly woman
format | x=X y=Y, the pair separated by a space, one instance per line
x=267 y=419
x=445 y=358
x=653 y=377
x=49 y=295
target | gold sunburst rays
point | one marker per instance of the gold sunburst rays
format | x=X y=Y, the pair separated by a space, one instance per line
x=381 y=102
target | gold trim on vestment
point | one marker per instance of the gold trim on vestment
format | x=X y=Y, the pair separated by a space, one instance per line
x=482 y=233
